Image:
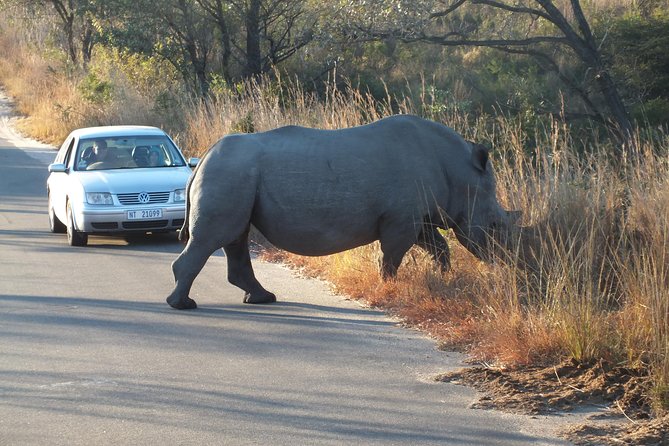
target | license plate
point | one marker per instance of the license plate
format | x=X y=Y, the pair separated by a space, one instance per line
x=145 y=214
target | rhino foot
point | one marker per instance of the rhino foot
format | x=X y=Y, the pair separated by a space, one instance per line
x=261 y=297
x=182 y=304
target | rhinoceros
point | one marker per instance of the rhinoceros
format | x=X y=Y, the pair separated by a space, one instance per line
x=316 y=192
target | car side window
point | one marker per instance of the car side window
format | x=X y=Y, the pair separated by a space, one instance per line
x=63 y=152
x=68 y=152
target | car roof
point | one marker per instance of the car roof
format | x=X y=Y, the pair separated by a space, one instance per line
x=116 y=130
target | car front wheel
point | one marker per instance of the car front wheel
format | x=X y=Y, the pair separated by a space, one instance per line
x=74 y=237
x=55 y=225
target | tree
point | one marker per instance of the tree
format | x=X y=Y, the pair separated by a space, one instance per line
x=76 y=23
x=191 y=31
x=218 y=10
x=260 y=34
x=541 y=29
x=68 y=12
x=250 y=36
x=179 y=31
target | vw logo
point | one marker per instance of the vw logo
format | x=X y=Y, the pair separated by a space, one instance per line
x=143 y=197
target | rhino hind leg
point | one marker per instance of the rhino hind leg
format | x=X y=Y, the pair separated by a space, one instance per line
x=240 y=272
x=431 y=240
x=186 y=268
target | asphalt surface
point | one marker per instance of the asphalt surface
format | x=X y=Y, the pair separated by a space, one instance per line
x=90 y=353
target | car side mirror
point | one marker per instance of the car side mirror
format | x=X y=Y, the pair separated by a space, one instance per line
x=57 y=168
x=192 y=162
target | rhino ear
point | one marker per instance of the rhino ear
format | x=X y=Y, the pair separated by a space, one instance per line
x=479 y=156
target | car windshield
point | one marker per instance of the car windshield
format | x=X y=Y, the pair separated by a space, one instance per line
x=127 y=152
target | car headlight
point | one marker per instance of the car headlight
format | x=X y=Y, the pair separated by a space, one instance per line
x=180 y=195
x=99 y=198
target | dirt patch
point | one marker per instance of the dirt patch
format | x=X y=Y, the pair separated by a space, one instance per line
x=653 y=432
x=564 y=387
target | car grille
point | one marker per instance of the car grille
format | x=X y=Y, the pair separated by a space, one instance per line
x=178 y=222
x=100 y=226
x=133 y=199
x=145 y=224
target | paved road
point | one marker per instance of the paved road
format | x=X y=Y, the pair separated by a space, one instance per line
x=91 y=354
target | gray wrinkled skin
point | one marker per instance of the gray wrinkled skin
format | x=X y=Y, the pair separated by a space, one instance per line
x=318 y=192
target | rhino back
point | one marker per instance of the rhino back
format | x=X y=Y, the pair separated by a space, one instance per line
x=317 y=192
x=321 y=191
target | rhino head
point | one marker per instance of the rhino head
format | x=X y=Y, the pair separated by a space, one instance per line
x=482 y=223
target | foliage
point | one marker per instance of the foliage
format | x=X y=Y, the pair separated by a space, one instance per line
x=637 y=44
x=95 y=90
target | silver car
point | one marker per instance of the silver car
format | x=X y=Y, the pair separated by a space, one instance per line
x=117 y=179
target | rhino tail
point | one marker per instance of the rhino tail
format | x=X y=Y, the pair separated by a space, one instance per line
x=184 y=232
x=184 y=235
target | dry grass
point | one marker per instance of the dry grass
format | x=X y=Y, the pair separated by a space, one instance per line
x=34 y=86
x=257 y=107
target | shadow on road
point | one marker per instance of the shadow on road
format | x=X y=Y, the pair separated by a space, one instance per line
x=276 y=311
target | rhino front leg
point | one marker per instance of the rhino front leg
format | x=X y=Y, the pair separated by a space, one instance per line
x=431 y=240
x=396 y=239
x=240 y=272
x=186 y=268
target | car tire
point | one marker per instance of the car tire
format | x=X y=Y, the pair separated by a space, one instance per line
x=55 y=225
x=74 y=237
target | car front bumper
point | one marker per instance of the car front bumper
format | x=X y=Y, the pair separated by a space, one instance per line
x=99 y=219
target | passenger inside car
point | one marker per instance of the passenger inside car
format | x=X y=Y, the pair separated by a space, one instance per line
x=110 y=158
x=140 y=155
x=156 y=158
x=94 y=155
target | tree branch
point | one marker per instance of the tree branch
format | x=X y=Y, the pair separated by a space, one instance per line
x=448 y=10
x=583 y=23
x=517 y=9
x=445 y=41
x=574 y=40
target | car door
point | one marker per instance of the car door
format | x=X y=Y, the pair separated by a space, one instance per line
x=58 y=181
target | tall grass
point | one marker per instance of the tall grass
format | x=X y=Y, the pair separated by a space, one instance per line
x=586 y=278
x=263 y=105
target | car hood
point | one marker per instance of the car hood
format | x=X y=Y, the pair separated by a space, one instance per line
x=123 y=181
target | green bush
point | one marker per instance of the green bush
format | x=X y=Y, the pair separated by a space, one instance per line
x=653 y=112
x=638 y=46
x=96 y=90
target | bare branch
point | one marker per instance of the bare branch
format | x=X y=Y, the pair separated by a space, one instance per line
x=515 y=9
x=448 y=10
x=583 y=23
x=445 y=41
x=574 y=40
